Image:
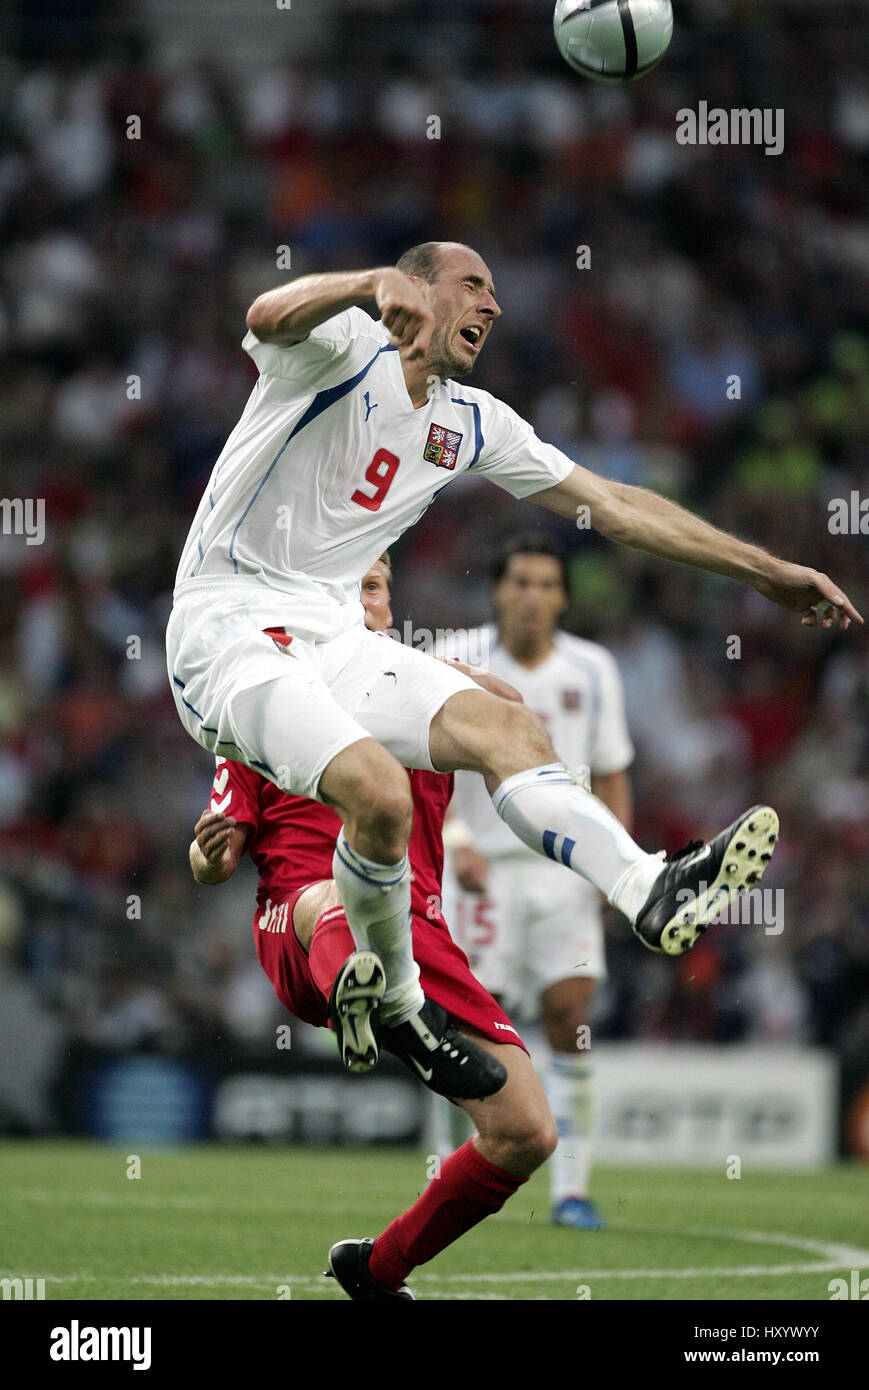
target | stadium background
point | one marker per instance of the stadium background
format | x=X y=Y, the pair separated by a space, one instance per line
x=137 y=257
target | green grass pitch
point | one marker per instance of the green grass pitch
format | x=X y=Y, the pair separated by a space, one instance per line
x=217 y=1222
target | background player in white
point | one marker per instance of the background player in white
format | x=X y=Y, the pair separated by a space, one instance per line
x=351 y=430
x=534 y=935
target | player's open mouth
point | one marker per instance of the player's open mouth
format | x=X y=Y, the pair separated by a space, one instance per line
x=473 y=335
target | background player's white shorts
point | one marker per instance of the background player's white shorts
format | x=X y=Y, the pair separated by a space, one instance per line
x=288 y=712
x=536 y=923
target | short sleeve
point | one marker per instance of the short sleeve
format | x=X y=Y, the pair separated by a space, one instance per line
x=613 y=750
x=332 y=351
x=515 y=459
x=236 y=791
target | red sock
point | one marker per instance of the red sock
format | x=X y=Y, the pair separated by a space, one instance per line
x=468 y=1189
x=331 y=944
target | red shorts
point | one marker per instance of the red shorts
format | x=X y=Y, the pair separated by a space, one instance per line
x=445 y=975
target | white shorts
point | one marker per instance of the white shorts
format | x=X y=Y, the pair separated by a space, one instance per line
x=287 y=711
x=537 y=923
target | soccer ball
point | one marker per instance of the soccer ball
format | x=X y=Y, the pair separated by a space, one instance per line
x=613 y=40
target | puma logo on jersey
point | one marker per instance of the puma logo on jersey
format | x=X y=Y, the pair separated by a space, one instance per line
x=368 y=406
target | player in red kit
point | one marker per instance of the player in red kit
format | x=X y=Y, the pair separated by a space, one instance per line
x=305 y=946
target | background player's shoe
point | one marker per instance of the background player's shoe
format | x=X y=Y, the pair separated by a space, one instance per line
x=443 y=1058
x=348 y=1263
x=579 y=1212
x=700 y=880
x=356 y=994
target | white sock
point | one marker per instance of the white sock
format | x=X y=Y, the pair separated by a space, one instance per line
x=552 y=814
x=376 y=900
x=632 y=889
x=568 y=1084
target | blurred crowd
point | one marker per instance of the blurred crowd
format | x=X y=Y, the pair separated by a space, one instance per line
x=712 y=342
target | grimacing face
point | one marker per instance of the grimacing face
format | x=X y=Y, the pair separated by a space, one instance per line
x=463 y=302
x=375 y=597
x=530 y=597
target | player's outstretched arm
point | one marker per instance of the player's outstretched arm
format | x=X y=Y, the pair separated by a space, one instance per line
x=636 y=517
x=287 y=315
x=218 y=847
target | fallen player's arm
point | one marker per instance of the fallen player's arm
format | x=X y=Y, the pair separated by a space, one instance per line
x=286 y=315
x=218 y=847
x=636 y=517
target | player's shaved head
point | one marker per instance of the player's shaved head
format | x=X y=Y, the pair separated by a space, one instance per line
x=426 y=261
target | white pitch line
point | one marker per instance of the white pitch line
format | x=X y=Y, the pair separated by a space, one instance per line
x=819 y=1247
x=832 y=1256
x=296 y=1283
x=582 y=1275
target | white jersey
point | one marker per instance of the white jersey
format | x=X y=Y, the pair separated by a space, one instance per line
x=330 y=463
x=577 y=694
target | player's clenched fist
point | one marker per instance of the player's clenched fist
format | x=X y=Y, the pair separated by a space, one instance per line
x=404 y=312
x=211 y=854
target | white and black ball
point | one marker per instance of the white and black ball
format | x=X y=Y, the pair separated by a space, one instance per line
x=613 y=40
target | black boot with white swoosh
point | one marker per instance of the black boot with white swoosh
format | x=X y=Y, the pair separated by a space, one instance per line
x=442 y=1057
x=701 y=880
